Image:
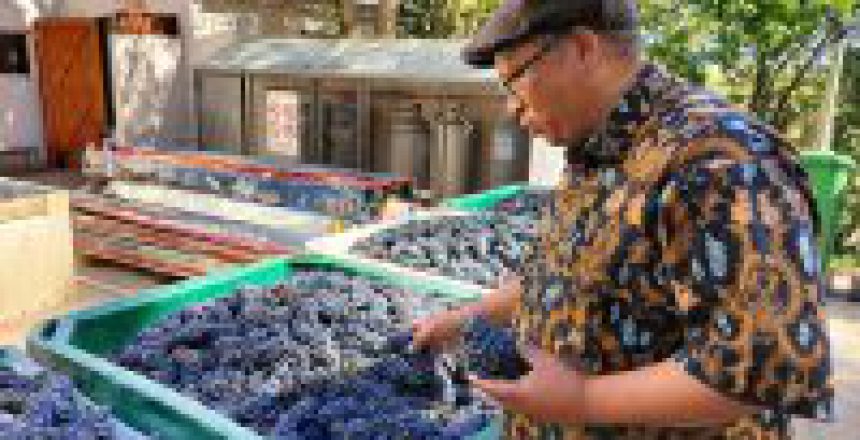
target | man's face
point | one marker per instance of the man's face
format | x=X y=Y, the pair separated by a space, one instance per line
x=542 y=94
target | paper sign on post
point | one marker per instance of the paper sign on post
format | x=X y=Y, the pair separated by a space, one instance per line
x=283 y=122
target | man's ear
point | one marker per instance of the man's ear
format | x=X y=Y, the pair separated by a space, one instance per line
x=585 y=49
x=500 y=61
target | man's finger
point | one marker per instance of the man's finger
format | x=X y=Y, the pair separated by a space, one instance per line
x=540 y=359
x=500 y=390
x=543 y=360
x=419 y=339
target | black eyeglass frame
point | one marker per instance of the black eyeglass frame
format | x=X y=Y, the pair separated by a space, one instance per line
x=549 y=44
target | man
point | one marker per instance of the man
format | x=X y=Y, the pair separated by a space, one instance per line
x=674 y=289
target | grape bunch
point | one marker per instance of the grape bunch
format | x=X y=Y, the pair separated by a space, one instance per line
x=477 y=248
x=46 y=406
x=309 y=358
x=491 y=352
x=302 y=329
x=396 y=399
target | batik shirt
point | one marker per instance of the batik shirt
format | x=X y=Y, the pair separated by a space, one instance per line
x=683 y=231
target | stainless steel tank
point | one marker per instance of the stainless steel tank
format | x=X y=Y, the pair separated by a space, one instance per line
x=506 y=146
x=449 y=160
x=340 y=134
x=410 y=143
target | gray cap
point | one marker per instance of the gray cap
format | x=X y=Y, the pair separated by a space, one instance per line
x=517 y=20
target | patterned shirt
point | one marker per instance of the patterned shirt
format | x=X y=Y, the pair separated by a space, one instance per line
x=682 y=231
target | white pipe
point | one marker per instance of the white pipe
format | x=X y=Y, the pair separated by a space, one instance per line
x=832 y=99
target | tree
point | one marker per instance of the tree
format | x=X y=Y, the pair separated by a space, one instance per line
x=768 y=55
x=443 y=18
x=847 y=141
x=847 y=136
x=425 y=19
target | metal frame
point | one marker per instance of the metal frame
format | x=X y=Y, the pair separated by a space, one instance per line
x=248 y=113
x=199 y=85
x=443 y=91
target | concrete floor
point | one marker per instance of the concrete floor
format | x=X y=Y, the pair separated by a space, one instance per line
x=844 y=325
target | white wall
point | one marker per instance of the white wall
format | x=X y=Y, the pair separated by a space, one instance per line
x=20 y=110
x=547 y=163
x=204 y=29
x=202 y=33
x=19 y=14
x=20 y=113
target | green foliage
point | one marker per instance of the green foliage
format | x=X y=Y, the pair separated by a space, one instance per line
x=846 y=261
x=847 y=133
x=423 y=19
x=847 y=141
x=443 y=18
x=757 y=52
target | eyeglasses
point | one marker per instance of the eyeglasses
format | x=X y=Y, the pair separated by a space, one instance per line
x=509 y=82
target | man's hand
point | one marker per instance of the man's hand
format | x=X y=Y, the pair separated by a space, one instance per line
x=661 y=395
x=437 y=331
x=551 y=392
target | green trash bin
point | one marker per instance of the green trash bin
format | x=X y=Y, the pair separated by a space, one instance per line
x=829 y=174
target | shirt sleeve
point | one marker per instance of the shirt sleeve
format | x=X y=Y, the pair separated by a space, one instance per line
x=744 y=273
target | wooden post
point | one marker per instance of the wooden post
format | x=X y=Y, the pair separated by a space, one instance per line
x=348 y=17
x=387 y=25
x=489 y=113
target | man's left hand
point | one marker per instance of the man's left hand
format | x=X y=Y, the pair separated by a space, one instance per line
x=550 y=393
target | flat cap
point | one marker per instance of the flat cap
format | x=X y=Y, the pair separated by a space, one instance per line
x=517 y=20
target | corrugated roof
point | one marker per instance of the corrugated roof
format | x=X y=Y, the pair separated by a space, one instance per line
x=437 y=60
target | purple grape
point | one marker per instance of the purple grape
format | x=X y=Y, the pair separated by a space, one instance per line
x=305 y=359
x=45 y=405
x=478 y=248
x=491 y=352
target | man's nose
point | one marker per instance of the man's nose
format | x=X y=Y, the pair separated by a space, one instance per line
x=515 y=108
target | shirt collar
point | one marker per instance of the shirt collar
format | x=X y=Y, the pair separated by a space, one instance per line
x=609 y=144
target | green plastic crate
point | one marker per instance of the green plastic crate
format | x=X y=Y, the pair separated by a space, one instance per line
x=12 y=359
x=484 y=200
x=78 y=343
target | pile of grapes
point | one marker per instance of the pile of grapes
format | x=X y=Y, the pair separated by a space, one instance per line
x=45 y=405
x=320 y=356
x=490 y=351
x=397 y=398
x=478 y=248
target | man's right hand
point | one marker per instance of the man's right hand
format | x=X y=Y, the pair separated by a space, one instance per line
x=438 y=331
x=441 y=330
